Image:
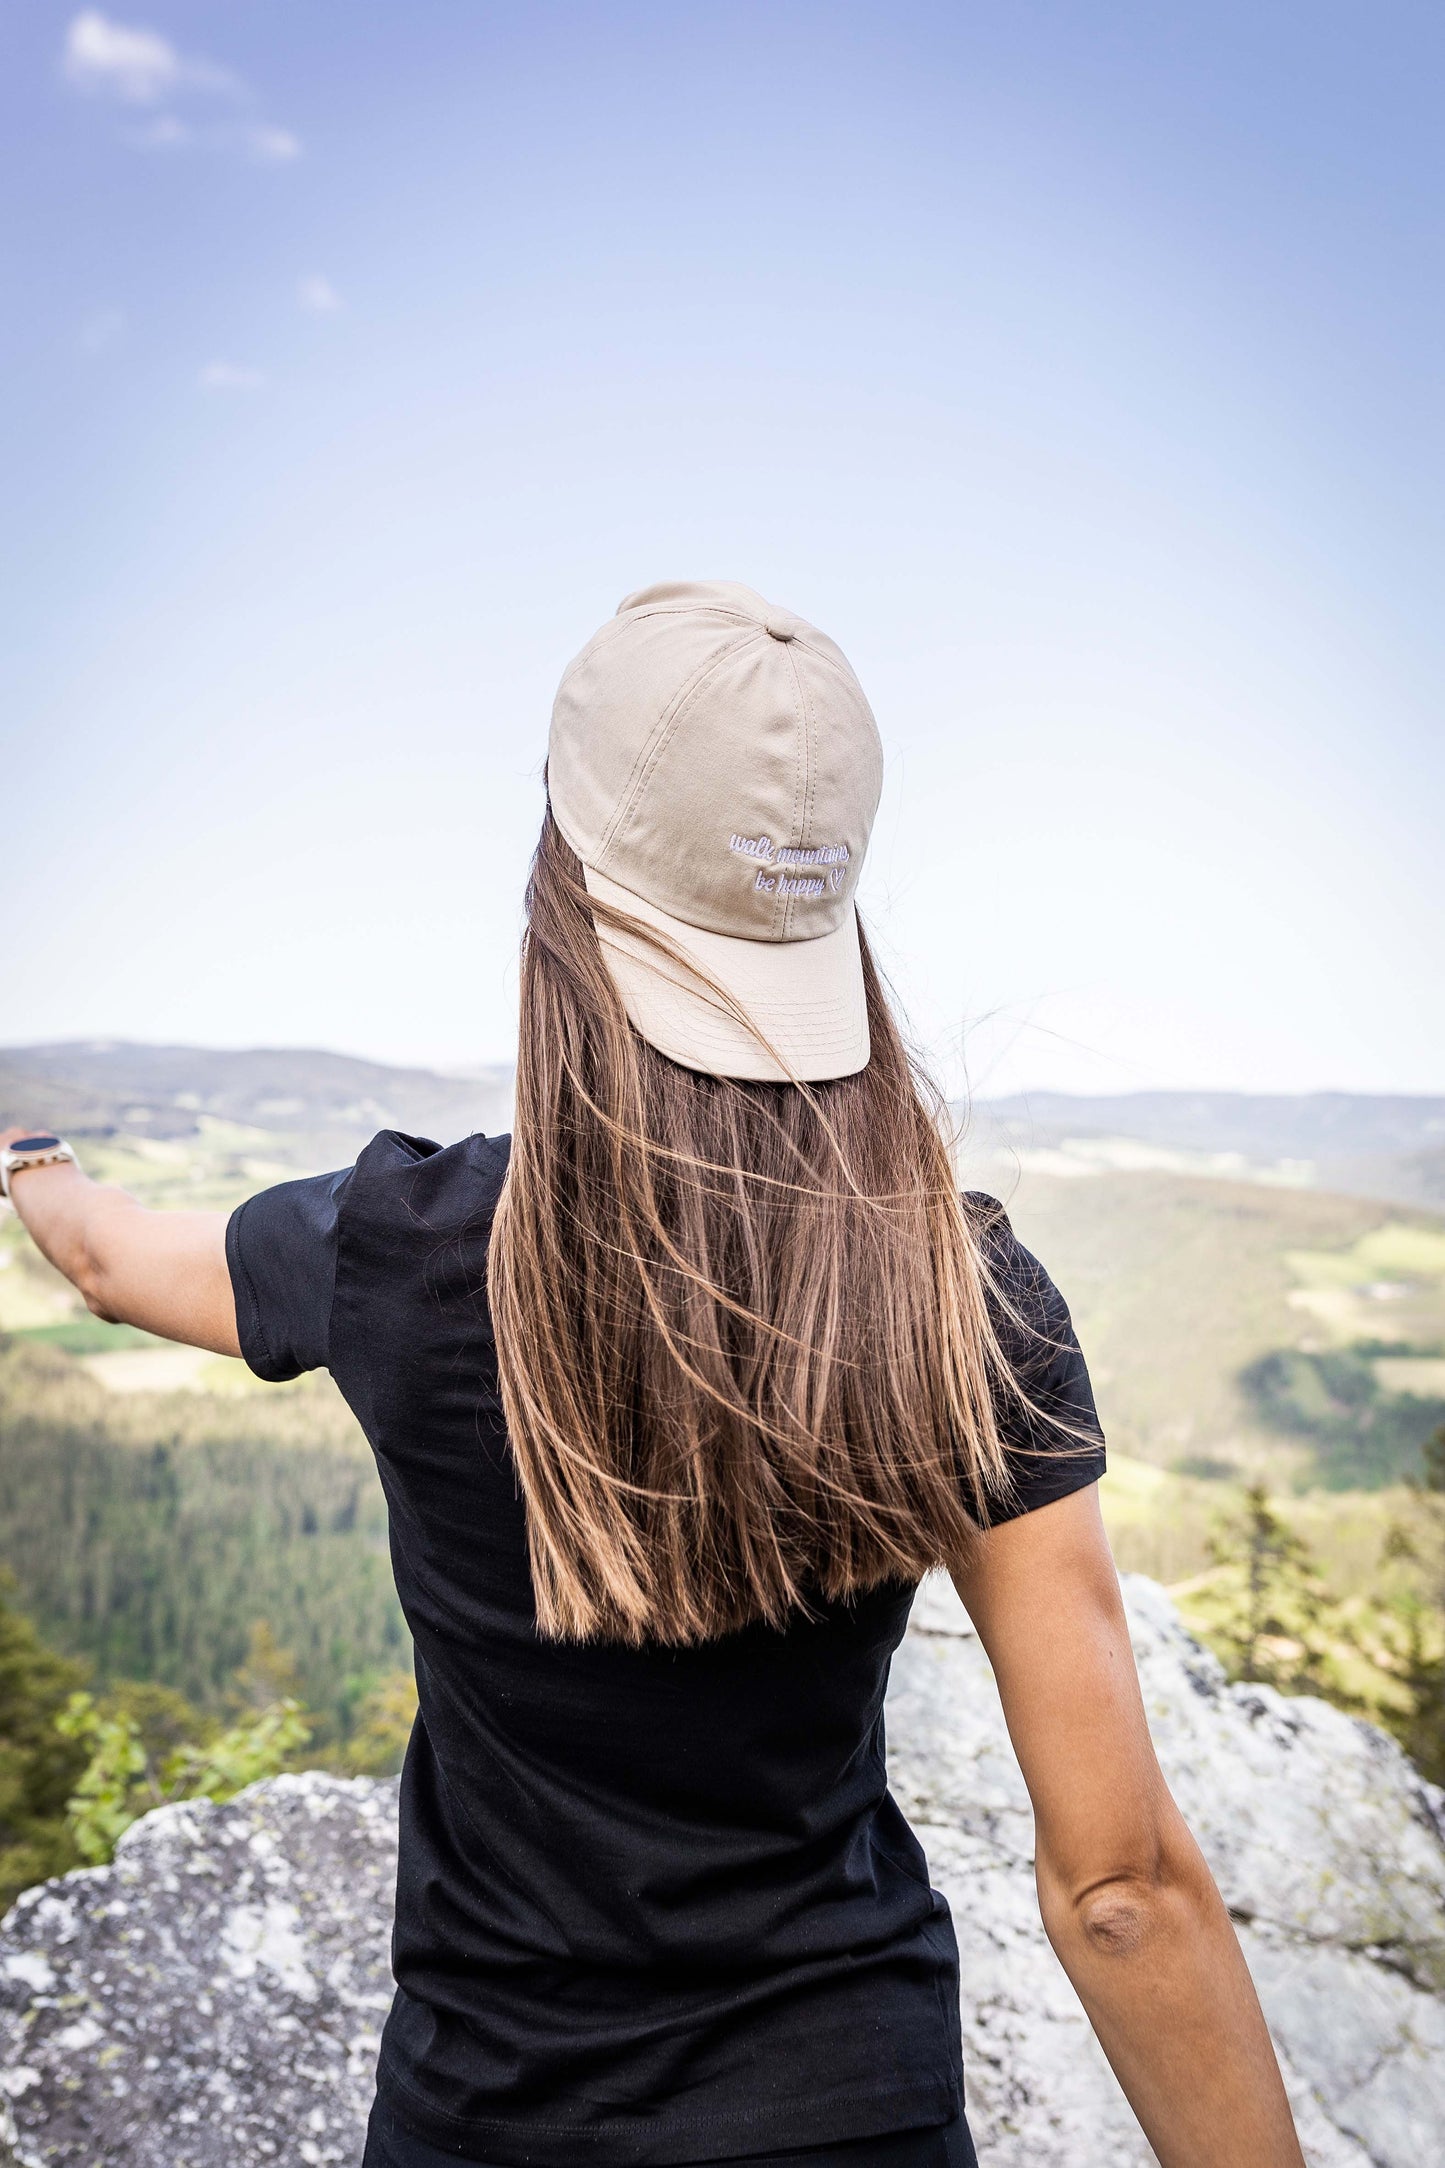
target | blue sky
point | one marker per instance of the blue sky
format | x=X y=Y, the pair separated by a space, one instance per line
x=1074 y=365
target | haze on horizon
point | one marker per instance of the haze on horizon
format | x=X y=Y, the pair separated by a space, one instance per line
x=1074 y=366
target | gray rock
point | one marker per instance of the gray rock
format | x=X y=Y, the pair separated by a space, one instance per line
x=213 y=1999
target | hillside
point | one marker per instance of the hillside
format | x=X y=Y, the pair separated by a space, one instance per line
x=299 y=1107
x=1181 y=1287
x=314 y=1107
x=1363 y=1144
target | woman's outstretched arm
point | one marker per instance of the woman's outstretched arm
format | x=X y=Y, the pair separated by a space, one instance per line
x=1126 y=1898
x=164 y=1271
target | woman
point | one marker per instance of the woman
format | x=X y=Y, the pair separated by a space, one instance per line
x=674 y=1401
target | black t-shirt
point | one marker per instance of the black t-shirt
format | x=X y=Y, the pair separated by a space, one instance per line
x=656 y=1904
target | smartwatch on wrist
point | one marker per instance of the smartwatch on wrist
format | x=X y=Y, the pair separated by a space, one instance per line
x=41 y=1150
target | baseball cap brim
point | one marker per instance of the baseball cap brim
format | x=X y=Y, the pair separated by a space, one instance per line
x=806 y=998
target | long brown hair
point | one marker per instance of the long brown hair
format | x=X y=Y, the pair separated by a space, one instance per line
x=745 y=1344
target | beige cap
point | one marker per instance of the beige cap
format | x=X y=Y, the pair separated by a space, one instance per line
x=716 y=768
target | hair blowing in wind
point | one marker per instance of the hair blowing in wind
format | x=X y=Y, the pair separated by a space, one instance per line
x=746 y=1355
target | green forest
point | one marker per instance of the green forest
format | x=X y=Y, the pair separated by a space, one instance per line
x=151 y=1533
x=1333 y=1399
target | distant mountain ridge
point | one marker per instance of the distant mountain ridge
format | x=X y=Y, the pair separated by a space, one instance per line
x=328 y=1105
x=1263 y=1125
x=1385 y=1145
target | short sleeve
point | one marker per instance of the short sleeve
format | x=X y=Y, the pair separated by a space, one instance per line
x=281 y=1249
x=1050 y=1429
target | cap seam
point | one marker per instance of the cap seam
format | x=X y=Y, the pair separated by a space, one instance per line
x=618 y=625
x=642 y=759
x=615 y=626
x=618 y=937
x=651 y=752
x=800 y=742
x=810 y=741
x=842 y=669
x=840 y=666
x=684 y=609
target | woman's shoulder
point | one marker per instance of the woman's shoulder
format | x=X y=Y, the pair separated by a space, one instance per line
x=986 y=1215
x=401 y=1167
x=1051 y=1428
x=393 y=1149
x=395 y=1217
x=1004 y=1255
x=1029 y=1311
x=410 y=1192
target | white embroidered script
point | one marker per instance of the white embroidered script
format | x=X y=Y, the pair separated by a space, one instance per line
x=767 y=854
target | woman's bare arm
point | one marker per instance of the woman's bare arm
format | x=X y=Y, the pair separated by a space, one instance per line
x=1126 y=1898
x=164 y=1271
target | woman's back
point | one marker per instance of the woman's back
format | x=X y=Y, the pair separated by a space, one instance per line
x=654 y=1902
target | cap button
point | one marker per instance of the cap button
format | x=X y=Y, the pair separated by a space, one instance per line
x=781 y=628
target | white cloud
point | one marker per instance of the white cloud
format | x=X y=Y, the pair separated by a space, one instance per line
x=230 y=376
x=273 y=146
x=265 y=145
x=317 y=295
x=138 y=65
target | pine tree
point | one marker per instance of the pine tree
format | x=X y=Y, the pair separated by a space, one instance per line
x=1269 y=1628
x=1423 y=1733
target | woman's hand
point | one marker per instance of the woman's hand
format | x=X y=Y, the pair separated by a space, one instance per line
x=163 y=1271
x=1126 y=1898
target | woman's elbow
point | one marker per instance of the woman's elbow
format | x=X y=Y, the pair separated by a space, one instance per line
x=1124 y=1914
x=1120 y=1919
x=101 y=1250
x=90 y=1280
x=90 y=1271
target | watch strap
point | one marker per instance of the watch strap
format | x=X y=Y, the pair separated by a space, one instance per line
x=45 y=1151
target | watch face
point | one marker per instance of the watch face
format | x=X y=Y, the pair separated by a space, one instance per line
x=35 y=1144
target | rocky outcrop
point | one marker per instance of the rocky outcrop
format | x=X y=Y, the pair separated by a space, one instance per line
x=213 y=1999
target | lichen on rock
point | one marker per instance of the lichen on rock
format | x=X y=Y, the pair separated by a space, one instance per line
x=213 y=1999
x=214 y=1996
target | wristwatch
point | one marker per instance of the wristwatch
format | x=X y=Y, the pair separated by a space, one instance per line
x=41 y=1150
